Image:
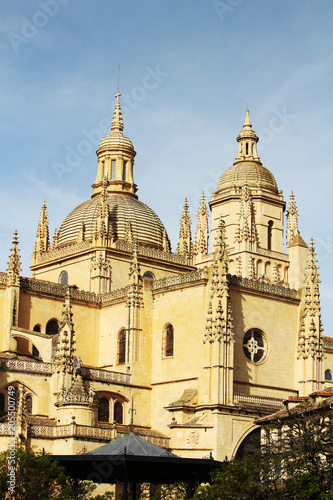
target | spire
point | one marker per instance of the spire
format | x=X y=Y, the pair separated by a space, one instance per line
x=14 y=267
x=102 y=229
x=55 y=239
x=220 y=252
x=201 y=236
x=218 y=335
x=64 y=358
x=247 y=123
x=115 y=158
x=292 y=220
x=185 y=240
x=135 y=271
x=247 y=140
x=218 y=323
x=246 y=231
x=310 y=341
x=42 y=244
x=117 y=124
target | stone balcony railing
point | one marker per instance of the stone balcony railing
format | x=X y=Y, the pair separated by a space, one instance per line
x=257 y=401
x=262 y=286
x=21 y=365
x=83 y=431
x=47 y=368
x=180 y=279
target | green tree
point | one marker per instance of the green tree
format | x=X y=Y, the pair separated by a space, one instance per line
x=36 y=477
x=295 y=462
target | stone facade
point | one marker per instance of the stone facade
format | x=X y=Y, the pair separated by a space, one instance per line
x=194 y=345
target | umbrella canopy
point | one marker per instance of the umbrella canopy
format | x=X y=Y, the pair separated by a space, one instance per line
x=131 y=445
x=132 y=459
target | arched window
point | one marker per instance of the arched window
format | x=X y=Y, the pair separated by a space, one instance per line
x=118 y=412
x=122 y=347
x=328 y=375
x=37 y=328
x=113 y=170
x=269 y=235
x=168 y=341
x=28 y=404
x=63 y=278
x=149 y=275
x=103 y=410
x=52 y=327
x=2 y=403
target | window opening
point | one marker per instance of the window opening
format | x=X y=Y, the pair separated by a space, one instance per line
x=328 y=375
x=113 y=170
x=35 y=351
x=124 y=170
x=255 y=345
x=103 y=410
x=118 y=412
x=28 y=404
x=63 y=278
x=168 y=341
x=269 y=235
x=52 y=327
x=122 y=346
x=149 y=274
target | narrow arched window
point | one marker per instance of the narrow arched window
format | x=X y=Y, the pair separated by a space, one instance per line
x=37 y=328
x=168 y=341
x=118 y=412
x=328 y=375
x=63 y=278
x=149 y=275
x=103 y=410
x=113 y=170
x=269 y=235
x=122 y=346
x=2 y=403
x=28 y=404
x=52 y=327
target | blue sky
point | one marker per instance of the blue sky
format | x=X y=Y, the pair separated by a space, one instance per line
x=187 y=70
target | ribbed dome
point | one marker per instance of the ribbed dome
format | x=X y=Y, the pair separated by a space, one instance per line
x=146 y=227
x=115 y=141
x=255 y=174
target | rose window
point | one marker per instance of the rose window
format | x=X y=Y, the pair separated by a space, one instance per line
x=255 y=345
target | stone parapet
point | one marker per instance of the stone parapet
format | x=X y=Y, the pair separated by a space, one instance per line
x=262 y=286
x=257 y=401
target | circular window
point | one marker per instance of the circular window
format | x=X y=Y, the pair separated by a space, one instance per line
x=255 y=345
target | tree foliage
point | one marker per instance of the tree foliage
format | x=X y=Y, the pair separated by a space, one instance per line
x=295 y=463
x=36 y=478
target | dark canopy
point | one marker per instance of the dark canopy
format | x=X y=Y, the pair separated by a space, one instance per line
x=132 y=459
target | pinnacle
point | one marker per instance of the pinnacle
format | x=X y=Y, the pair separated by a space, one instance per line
x=247 y=122
x=117 y=124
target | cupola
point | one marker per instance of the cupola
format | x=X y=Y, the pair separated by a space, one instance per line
x=247 y=167
x=115 y=158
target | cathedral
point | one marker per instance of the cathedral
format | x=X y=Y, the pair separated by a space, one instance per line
x=114 y=333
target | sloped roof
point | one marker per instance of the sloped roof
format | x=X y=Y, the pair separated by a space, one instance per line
x=305 y=404
x=131 y=445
